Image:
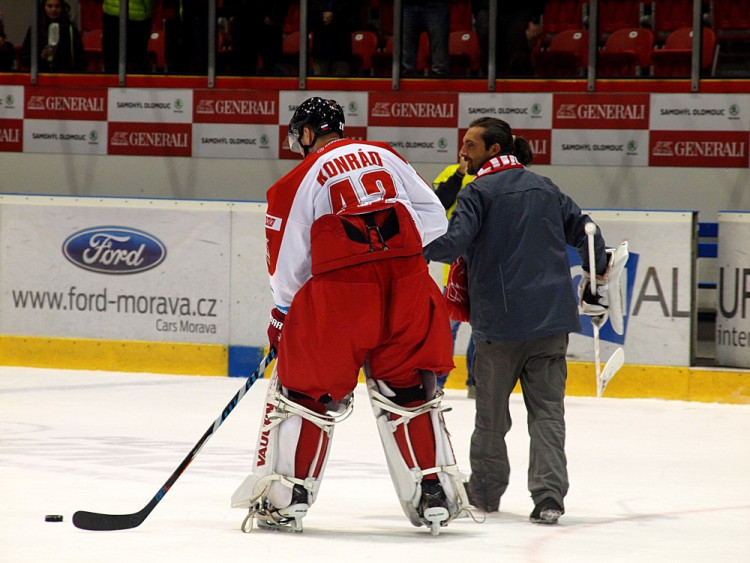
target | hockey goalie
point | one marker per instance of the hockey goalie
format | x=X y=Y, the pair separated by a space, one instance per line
x=345 y=231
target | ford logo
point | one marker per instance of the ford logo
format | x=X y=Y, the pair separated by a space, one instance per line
x=114 y=250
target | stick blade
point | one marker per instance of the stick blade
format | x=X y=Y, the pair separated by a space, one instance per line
x=104 y=522
x=614 y=363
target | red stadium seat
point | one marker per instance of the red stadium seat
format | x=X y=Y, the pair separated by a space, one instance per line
x=461 y=16
x=156 y=47
x=567 y=55
x=627 y=52
x=92 y=48
x=731 y=19
x=669 y=16
x=364 y=46
x=424 y=60
x=675 y=59
x=464 y=53
x=617 y=14
x=291 y=21
x=561 y=15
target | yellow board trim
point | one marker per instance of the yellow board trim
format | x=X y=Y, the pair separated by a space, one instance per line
x=708 y=385
x=107 y=355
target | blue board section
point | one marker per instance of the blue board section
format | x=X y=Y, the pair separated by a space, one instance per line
x=243 y=360
x=708 y=230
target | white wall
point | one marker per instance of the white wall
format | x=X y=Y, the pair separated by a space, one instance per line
x=707 y=190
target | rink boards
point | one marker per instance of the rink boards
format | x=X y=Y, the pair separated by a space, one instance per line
x=178 y=286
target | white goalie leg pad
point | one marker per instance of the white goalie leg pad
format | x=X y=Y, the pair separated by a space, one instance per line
x=272 y=479
x=617 y=282
x=407 y=481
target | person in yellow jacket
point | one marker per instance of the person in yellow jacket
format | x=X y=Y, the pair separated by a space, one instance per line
x=447 y=185
x=140 y=16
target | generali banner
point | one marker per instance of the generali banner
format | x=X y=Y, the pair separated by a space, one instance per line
x=575 y=129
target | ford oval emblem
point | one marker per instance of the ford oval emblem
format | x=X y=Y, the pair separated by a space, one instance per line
x=114 y=250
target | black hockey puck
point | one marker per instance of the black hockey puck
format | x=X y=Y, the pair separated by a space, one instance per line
x=53 y=518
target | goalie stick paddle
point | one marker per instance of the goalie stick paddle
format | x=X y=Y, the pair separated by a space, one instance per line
x=96 y=521
x=615 y=362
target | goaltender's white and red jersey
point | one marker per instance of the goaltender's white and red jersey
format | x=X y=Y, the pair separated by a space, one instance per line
x=343 y=174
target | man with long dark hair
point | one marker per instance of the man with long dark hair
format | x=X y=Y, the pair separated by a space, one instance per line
x=512 y=228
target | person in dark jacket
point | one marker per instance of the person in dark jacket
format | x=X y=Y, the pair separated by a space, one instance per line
x=59 y=41
x=7 y=53
x=512 y=228
x=519 y=27
x=332 y=23
x=256 y=33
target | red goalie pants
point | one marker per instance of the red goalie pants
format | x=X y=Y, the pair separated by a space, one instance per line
x=388 y=313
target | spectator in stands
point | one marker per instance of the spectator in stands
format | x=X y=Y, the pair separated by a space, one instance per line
x=447 y=185
x=140 y=16
x=332 y=23
x=59 y=41
x=186 y=35
x=432 y=16
x=518 y=30
x=256 y=33
x=7 y=54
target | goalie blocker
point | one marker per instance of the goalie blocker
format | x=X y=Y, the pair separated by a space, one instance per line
x=276 y=498
x=610 y=300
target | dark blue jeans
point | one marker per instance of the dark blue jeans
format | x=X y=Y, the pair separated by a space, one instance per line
x=434 y=18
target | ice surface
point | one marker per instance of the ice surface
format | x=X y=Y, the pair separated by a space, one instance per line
x=650 y=480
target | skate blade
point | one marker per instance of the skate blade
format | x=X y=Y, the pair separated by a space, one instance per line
x=435 y=518
x=285 y=520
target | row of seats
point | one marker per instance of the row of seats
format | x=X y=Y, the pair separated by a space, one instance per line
x=730 y=19
x=627 y=52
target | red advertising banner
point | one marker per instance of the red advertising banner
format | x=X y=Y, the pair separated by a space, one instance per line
x=11 y=135
x=150 y=139
x=236 y=106
x=86 y=104
x=724 y=149
x=394 y=109
x=600 y=111
x=540 y=141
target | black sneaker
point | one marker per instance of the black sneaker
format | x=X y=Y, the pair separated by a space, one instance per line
x=546 y=511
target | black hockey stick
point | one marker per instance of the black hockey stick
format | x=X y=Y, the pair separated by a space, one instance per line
x=96 y=521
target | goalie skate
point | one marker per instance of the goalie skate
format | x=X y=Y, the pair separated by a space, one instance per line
x=287 y=519
x=426 y=502
x=276 y=499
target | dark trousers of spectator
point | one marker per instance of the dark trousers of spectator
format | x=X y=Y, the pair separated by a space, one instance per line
x=434 y=18
x=251 y=40
x=513 y=52
x=138 y=34
x=186 y=46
